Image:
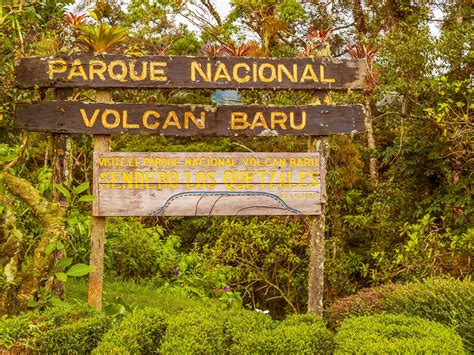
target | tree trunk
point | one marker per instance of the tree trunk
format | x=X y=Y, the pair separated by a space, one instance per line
x=51 y=218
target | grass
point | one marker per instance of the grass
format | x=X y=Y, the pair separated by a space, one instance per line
x=170 y=300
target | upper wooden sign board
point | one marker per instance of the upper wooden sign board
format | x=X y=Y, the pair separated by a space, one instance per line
x=120 y=71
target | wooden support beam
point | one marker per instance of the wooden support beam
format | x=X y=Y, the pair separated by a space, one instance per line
x=96 y=278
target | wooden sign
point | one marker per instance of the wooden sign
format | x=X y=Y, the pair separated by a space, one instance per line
x=120 y=71
x=204 y=184
x=189 y=120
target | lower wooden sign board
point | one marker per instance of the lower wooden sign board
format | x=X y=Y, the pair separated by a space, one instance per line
x=205 y=184
x=189 y=120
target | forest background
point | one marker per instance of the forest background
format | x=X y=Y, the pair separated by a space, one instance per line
x=400 y=204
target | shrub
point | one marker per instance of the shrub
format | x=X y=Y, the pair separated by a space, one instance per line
x=199 y=331
x=396 y=333
x=23 y=330
x=240 y=331
x=139 y=261
x=78 y=337
x=139 y=332
x=297 y=334
x=447 y=301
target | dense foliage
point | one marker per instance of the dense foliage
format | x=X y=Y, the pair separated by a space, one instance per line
x=400 y=198
x=394 y=334
x=447 y=301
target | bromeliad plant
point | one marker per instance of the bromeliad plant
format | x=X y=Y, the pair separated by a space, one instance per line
x=95 y=38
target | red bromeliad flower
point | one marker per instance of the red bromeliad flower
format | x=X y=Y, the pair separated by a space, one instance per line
x=360 y=51
x=74 y=20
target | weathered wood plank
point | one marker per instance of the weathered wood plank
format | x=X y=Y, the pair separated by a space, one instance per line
x=83 y=70
x=189 y=120
x=201 y=184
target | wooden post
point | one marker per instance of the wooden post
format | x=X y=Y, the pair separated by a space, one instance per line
x=317 y=229
x=96 y=278
x=61 y=163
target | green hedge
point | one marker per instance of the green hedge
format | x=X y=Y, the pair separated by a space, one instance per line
x=77 y=337
x=240 y=331
x=139 y=332
x=24 y=330
x=298 y=334
x=396 y=334
x=198 y=331
x=447 y=301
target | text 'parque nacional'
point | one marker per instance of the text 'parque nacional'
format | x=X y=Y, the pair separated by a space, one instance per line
x=82 y=70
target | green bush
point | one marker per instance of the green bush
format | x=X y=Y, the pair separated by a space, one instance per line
x=298 y=334
x=210 y=330
x=139 y=332
x=24 y=330
x=396 y=334
x=139 y=261
x=198 y=331
x=447 y=301
x=78 y=337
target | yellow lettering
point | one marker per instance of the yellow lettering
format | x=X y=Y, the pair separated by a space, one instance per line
x=77 y=70
x=142 y=75
x=293 y=77
x=278 y=118
x=261 y=73
x=99 y=71
x=123 y=71
x=195 y=66
x=199 y=123
x=89 y=122
x=114 y=113
x=104 y=176
x=125 y=121
x=147 y=124
x=308 y=74
x=259 y=121
x=238 y=120
x=302 y=125
x=222 y=73
x=171 y=120
x=56 y=66
x=157 y=73
x=235 y=73
x=324 y=79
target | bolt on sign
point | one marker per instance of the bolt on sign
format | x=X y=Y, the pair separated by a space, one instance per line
x=82 y=70
x=190 y=120
x=204 y=184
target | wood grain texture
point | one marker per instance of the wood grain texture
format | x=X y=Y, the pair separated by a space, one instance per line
x=96 y=258
x=189 y=120
x=202 y=184
x=114 y=71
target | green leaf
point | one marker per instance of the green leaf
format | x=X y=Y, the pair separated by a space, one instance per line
x=87 y=198
x=81 y=188
x=79 y=270
x=50 y=248
x=59 y=246
x=32 y=303
x=61 y=276
x=1 y=209
x=62 y=190
x=55 y=301
x=64 y=263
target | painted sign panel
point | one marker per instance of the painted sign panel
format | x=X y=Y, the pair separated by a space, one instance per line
x=189 y=120
x=204 y=184
x=108 y=71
